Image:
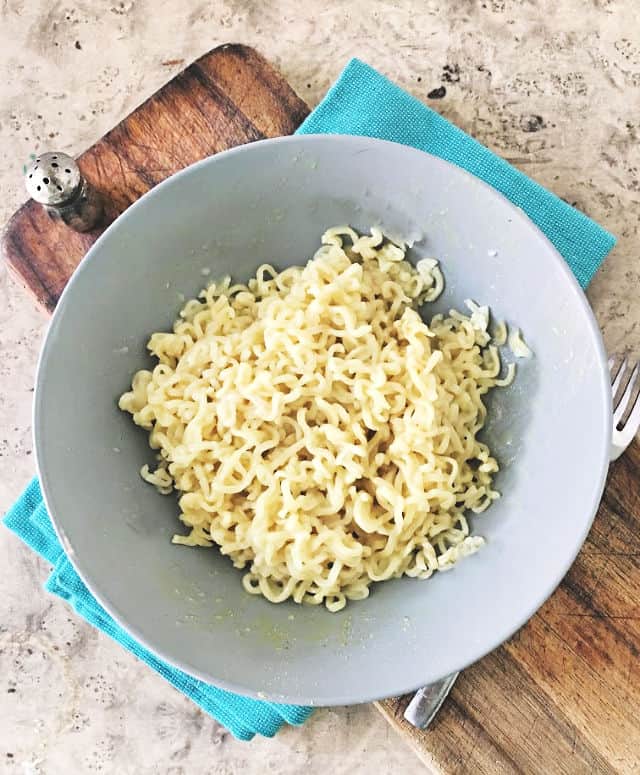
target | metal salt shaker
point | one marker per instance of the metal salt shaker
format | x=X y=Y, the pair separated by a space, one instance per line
x=55 y=181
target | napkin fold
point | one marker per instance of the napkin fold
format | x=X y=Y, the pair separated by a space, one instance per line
x=361 y=102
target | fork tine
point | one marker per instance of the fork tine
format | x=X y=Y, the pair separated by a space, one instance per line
x=617 y=381
x=610 y=363
x=632 y=424
x=626 y=396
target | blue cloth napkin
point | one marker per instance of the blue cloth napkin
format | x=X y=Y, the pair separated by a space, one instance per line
x=362 y=102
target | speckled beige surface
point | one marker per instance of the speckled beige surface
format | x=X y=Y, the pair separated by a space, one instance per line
x=555 y=91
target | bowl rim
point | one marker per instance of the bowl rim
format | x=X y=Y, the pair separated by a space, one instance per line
x=604 y=421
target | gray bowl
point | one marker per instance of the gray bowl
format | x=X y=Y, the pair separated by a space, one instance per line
x=271 y=201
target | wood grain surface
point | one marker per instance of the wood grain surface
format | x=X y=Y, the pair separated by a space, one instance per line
x=228 y=97
x=563 y=695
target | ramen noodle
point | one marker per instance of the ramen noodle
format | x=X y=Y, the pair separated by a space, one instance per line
x=319 y=432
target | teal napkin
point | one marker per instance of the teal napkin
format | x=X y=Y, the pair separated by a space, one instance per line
x=362 y=102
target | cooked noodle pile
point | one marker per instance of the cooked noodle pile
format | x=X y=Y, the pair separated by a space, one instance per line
x=319 y=432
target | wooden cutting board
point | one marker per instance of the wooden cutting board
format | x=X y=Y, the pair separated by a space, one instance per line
x=228 y=97
x=563 y=695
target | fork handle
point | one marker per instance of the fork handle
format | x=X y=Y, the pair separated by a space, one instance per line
x=426 y=702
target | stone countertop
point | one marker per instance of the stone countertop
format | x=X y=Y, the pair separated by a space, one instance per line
x=556 y=92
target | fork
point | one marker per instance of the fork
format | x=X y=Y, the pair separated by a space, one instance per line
x=426 y=702
x=624 y=428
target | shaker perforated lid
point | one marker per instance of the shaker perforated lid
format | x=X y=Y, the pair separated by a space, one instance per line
x=52 y=178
